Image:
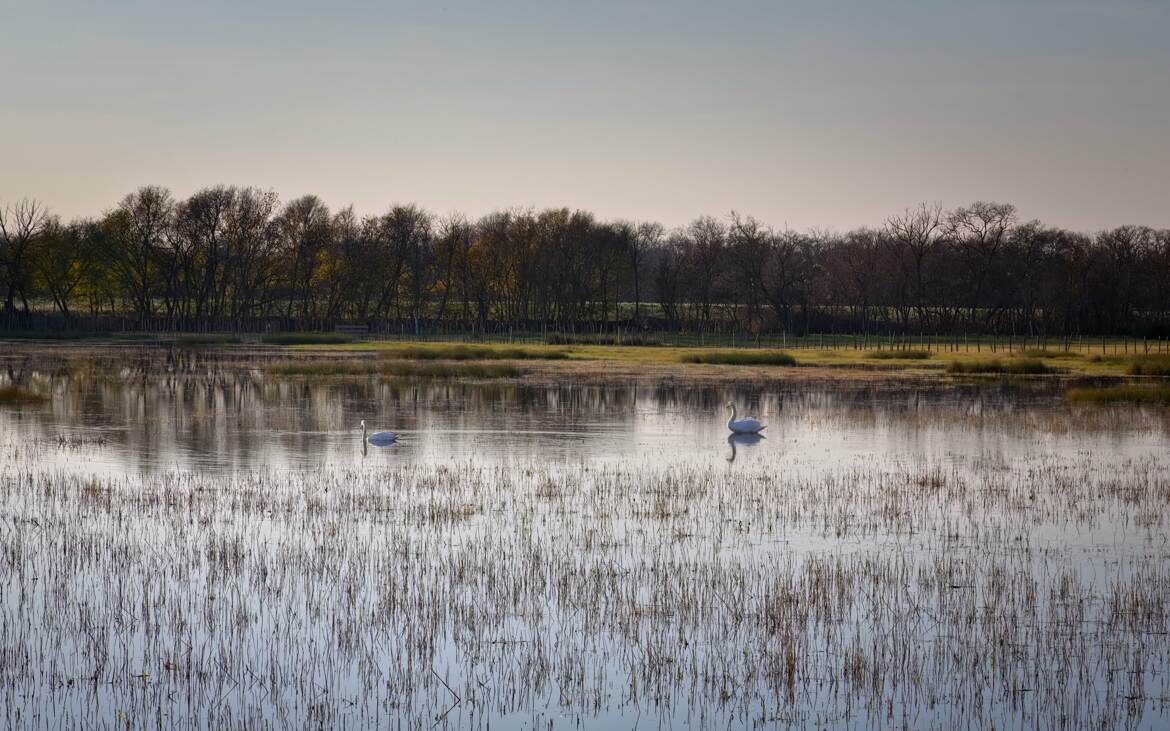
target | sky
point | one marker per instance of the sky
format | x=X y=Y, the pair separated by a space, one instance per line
x=827 y=115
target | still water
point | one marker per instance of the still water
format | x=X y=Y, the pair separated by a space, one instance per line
x=187 y=540
x=151 y=410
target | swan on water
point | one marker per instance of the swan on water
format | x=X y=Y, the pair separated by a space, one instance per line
x=746 y=425
x=379 y=438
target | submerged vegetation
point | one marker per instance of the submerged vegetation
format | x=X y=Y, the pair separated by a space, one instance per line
x=16 y=395
x=429 y=592
x=740 y=357
x=889 y=561
x=1122 y=393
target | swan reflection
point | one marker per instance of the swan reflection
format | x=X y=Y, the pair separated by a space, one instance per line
x=743 y=440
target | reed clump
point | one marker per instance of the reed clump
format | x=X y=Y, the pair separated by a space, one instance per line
x=1149 y=365
x=740 y=357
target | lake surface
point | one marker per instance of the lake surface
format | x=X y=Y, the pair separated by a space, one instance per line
x=189 y=540
x=163 y=410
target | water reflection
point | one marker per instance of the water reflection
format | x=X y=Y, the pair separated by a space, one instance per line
x=142 y=411
x=745 y=440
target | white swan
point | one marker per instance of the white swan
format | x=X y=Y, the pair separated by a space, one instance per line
x=746 y=425
x=379 y=438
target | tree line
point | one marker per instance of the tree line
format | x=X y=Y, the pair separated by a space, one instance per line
x=226 y=256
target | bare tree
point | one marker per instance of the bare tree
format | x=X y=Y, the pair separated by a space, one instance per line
x=647 y=237
x=977 y=233
x=750 y=244
x=20 y=225
x=65 y=260
x=252 y=252
x=451 y=245
x=228 y=252
x=917 y=234
x=856 y=263
x=703 y=246
x=1122 y=249
x=304 y=229
x=137 y=232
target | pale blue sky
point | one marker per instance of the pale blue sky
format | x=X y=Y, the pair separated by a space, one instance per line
x=828 y=114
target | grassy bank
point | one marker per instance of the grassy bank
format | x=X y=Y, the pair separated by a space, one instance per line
x=723 y=362
x=633 y=355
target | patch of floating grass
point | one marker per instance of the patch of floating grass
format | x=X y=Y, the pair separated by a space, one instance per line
x=740 y=357
x=18 y=395
x=1116 y=394
x=1021 y=366
x=397 y=368
x=898 y=354
x=1149 y=365
x=306 y=339
x=472 y=352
